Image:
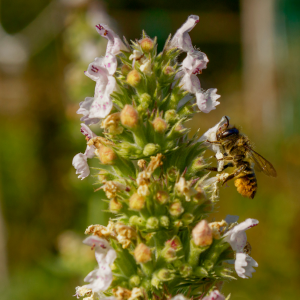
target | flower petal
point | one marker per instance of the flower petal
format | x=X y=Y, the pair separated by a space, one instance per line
x=182 y=39
x=103 y=251
x=110 y=63
x=80 y=164
x=86 y=131
x=244 y=265
x=195 y=62
x=85 y=111
x=115 y=44
x=100 y=279
x=207 y=101
x=190 y=83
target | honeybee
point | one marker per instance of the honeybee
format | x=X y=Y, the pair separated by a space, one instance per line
x=237 y=151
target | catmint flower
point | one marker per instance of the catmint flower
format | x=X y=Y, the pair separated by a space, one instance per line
x=101 y=71
x=237 y=237
x=244 y=265
x=211 y=135
x=115 y=44
x=202 y=234
x=80 y=160
x=182 y=39
x=142 y=253
x=214 y=295
x=207 y=101
x=179 y=297
x=146 y=67
x=146 y=44
x=101 y=278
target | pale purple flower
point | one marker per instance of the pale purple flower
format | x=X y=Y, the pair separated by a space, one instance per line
x=214 y=295
x=101 y=71
x=182 y=39
x=195 y=62
x=211 y=135
x=115 y=44
x=237 y=237
x=80 y=160
x=244 y=265
x=207 y=101
x=101 y=278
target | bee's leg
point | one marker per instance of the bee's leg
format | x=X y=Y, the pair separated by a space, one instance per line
x=216 y=169
x=214 y=142
x=235 y=174
x=237 y=157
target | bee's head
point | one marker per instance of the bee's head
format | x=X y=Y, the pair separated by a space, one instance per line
x=225 y=132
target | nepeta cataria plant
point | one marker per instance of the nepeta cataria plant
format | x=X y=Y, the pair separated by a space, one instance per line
x=159 y=244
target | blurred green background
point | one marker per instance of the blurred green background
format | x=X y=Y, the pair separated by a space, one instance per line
x=253 y=47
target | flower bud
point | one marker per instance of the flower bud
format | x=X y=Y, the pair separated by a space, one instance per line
x=137 y=221
x=129 y=117
x=201 y=272
x=164 y=221
x=171 y=116
x=202 y=234
x=142 y=253
x=159 y=125
x=145 y=98
x=152 y=223
x=134 y=280
x=125 y=69
x=187 y=218
x=147 y=45
x=151 y=149
x=136 y=202
x=172 y=174
x=176 y=208
x=134 y=78
x=174 y=243
x=107 y=155
x=162 y=197
x=185 y=270
x=115 y=205
x=169 y=254
x=165 y=275
x=168 y=70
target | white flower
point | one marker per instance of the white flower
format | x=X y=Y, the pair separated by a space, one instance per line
x=101 y=71
x=207 y=101
x=195 y=62
x=244 y=265
x=237 y=237
x=80 y=160
x=182 y=39
x=115 y=44
x=137 y=55
x=211 y=135
x=192 y=65
x=214 y=295
x=101 y=278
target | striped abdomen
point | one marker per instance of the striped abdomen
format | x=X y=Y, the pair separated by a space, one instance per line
x=246 y=183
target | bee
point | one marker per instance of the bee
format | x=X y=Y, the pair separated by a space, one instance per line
x=237 y=151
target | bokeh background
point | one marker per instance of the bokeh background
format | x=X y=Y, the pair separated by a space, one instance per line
x=254 y=50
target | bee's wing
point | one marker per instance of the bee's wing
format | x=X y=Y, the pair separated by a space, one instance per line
x=261 y=164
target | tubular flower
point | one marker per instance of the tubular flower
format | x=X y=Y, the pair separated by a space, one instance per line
x=115 y=44
x=237 y=239
x=101 y=278
x=182 y=39
x=211 y=135
x=192 y=65
x=80 y=160
x=101 y=71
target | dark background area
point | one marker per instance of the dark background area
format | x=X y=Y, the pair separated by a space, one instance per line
x=253 y=47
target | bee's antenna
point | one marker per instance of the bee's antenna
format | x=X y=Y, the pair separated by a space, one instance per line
x=227 y=123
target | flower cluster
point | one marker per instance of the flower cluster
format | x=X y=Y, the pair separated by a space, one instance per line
x=155 y=177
